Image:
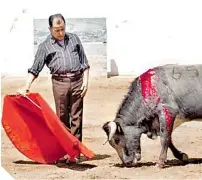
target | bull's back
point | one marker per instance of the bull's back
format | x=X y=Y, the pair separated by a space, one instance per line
x=185 y=83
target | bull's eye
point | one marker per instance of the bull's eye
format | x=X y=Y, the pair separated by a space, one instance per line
x=126 y=151
x=116 y=140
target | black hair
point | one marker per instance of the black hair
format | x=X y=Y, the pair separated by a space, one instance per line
x=52 y=17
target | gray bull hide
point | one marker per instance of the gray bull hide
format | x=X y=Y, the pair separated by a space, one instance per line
x=151 y=105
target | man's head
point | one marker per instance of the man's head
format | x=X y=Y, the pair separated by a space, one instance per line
x=57 y=26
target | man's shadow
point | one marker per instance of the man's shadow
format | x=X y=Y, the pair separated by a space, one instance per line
x=83 y=166
x=74 y=166
x=169 y=163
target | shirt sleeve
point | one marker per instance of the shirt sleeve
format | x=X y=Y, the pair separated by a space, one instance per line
x=82 y=54
x=39 y=61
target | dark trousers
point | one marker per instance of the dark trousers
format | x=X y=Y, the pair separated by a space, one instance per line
x=69 y=103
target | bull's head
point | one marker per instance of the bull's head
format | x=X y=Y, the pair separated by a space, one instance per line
x=125 y=140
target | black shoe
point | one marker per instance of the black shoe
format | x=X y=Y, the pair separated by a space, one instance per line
x=61 y=160
x=75 y=161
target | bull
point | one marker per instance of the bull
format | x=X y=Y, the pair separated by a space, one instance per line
x=153 y=101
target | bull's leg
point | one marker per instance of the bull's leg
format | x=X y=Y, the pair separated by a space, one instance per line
x=163 y=154
x=166 y=120
x=178 y=154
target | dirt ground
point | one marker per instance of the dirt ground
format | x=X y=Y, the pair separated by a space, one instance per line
x=101 y=102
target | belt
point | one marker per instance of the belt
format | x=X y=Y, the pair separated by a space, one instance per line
x=72 y=74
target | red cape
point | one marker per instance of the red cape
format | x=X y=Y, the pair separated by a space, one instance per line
x=37 y=132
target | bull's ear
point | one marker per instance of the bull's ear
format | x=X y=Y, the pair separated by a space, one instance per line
x=105 y=127
x=119 y=129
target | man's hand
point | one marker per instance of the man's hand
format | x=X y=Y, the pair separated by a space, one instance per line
x=84 y=89
x=24 y=91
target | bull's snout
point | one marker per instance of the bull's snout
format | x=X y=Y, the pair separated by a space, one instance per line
x=131 y=163
x=128 y=164
x=134 y=162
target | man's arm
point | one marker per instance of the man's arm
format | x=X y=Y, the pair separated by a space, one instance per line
x=36 y=68
x=86 y=76
x=84 y=86
x=86 y=67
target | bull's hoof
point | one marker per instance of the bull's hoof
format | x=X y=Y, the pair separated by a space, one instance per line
x=184 y=157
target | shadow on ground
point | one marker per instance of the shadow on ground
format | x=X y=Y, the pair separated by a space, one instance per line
x=169 y=163
x=81 y=166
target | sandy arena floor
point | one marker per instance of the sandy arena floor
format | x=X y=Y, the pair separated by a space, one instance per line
x=101 y=102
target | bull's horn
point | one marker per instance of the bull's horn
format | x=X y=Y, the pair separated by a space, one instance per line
x=113 y=127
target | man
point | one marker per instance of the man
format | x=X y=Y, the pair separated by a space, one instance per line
x=64 y=55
